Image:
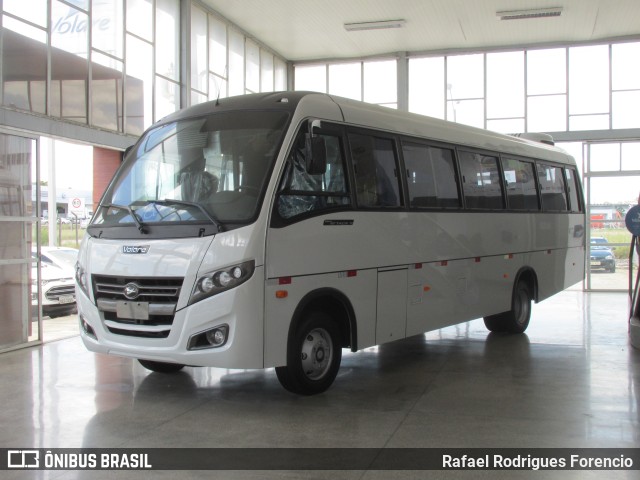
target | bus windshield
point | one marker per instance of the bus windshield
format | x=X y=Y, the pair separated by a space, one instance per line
x=205 y=169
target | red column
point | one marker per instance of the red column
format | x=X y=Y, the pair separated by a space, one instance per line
x=105 y=163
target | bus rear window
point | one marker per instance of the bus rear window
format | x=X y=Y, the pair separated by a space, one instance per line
x=574 y=189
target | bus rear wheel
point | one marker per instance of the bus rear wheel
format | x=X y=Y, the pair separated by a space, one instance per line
x=517 y=319
x=314 y=354
x=161 y=367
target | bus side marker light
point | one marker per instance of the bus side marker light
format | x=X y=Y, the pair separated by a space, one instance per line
x=477 y=259
x=506 y=275
x=284 y=281
x=426 y=288
x=444 y=263
x=282 y=294
x=348 y=274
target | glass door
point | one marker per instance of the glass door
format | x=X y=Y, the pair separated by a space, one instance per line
x=20 y=322
x=612 y=184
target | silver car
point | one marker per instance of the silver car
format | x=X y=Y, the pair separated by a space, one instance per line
x=57 y=281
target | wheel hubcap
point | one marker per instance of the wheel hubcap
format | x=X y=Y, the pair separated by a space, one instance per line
x=316 y=354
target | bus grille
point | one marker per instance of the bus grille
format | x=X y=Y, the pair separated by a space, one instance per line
x=159 y=297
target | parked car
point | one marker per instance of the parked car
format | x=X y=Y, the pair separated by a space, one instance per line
x=62 y=257
x=57 y=281
x=601 y=255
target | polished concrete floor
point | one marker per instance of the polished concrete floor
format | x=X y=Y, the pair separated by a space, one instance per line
x=571 y=381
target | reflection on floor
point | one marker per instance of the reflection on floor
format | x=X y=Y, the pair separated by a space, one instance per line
x=571 y=381
x=618 y=280
x=60 y=327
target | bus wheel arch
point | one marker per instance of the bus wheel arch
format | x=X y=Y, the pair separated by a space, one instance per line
x=322 y=325
x=516 y=320
x=528 y=277
x=335 y=304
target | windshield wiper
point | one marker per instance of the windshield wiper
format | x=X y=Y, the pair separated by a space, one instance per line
x=142 y=228
x=210 y=217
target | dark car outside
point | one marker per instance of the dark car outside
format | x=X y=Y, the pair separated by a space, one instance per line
x=601 y=255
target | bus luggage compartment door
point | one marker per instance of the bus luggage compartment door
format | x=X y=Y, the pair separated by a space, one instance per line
x=391 y=322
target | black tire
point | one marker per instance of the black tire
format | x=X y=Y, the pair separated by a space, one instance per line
x=63 y=312
x=515 y=320
x=495 y=323
x=314 y=354
x=161 y=367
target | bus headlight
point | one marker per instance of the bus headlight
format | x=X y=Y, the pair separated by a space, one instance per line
x=81 y=278
x=221 y=280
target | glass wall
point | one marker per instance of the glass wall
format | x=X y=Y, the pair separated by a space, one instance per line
x=374 y=81
x=106 y=66
x=224 y=62
x=536 y=90
x=116 y=64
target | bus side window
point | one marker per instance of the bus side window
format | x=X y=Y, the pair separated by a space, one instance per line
x=521 y=184
x=301 y=192
x=481 y=181
x=431 y=176
x=374 y=162
x=554 y=196
x=574 y=189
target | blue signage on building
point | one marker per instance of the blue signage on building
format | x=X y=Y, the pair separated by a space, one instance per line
x=632 y=220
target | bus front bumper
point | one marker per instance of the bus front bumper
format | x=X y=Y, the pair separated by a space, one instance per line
x=240 y=309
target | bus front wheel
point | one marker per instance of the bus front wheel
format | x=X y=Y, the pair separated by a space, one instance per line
x=517 y=319
x=314 y=354
x=161 y=367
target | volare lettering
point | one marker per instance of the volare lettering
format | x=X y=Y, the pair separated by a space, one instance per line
x=135 y=249
x=73 y=24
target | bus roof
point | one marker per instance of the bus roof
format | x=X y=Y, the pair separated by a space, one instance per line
x=353 y=112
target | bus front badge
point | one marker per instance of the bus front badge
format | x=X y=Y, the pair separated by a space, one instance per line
x=131 y=291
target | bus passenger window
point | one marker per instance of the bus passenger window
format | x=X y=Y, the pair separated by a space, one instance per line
x=572 y=185
x=481 y=181
x=301 y=192
x=521 y=184
x=554 y=197
x=431 y=176
x=374 y=162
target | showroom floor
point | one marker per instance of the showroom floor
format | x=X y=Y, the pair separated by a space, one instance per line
x=571 y=381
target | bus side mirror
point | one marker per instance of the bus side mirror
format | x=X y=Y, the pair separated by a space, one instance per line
x=316 y=155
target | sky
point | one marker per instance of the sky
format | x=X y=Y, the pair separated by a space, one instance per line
x=74 y=164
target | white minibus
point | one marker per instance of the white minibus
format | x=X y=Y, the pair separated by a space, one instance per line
x=274 y=230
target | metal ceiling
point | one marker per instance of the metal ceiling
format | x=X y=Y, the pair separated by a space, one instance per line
x=313 y=29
